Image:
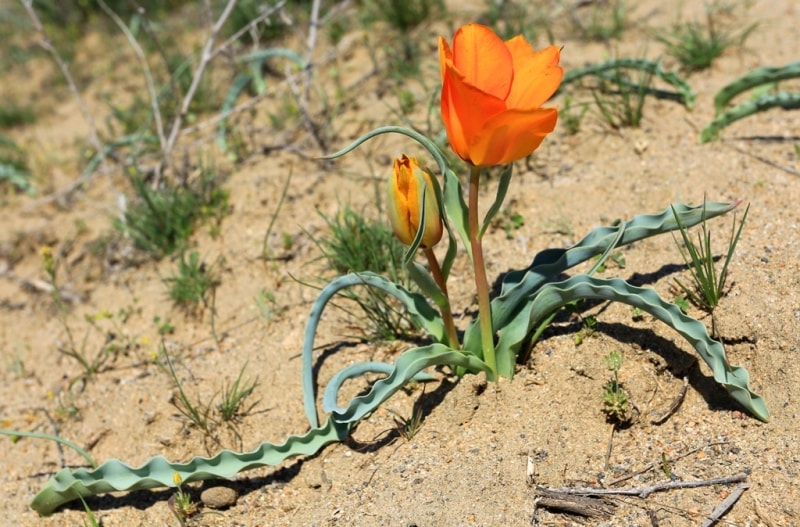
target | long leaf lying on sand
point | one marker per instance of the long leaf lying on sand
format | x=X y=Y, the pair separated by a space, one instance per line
x=784 y=100
x=114 y=475
x=518 y=286
x=555 y=295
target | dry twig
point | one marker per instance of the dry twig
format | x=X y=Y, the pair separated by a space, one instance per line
x=723 y=507
x=644 y=492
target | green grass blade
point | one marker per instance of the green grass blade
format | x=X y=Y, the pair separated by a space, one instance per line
x=783 y=99
x=502 y=188
x=753 y=79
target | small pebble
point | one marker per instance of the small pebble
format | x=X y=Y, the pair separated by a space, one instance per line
x=219 y=497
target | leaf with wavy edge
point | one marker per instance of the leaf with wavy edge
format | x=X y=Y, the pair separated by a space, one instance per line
x=552 y=296
x=114 y=475
x=418 y=308
x=331 y=394
x=518 y=286
x=406 y=367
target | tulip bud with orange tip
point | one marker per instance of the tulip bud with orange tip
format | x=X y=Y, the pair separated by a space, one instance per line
x=403 y=204
x=492 y=93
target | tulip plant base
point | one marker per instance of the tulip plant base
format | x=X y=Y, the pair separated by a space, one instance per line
x=466 y=464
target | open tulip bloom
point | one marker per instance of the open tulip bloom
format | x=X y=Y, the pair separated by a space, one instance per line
x=492 y=97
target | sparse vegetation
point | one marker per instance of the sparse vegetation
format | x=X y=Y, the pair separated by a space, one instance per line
x=355 y=244
x=696 y=45
x=276 y=86
x=161 y=220
x=708 y=284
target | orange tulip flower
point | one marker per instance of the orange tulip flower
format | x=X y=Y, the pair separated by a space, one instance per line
x=492 y=92
x=403 y=204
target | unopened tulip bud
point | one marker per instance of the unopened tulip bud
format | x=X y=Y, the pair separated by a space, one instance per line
x=403 y=204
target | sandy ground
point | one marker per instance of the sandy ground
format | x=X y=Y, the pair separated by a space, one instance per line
x=467 y=464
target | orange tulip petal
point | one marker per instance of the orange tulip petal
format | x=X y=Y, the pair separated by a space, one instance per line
x=445 y=54
x=536 y=74
x=465 y=110
x=512 y=135
x=483 y=59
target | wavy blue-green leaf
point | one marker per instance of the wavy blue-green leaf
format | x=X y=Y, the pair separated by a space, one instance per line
x=517 y=286
x=783 y=99
x=406 y=367
x=757 y=77
x=552 y=296
x=421 y=312
x=331 y=396
x=238 y=85
x=114 y=475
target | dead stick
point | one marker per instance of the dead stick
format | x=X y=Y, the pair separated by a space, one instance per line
x=148 y=77
x=676 y=403
x=205 y=57
x=644 y=492
x=608 y=448
x=720 y=510
x=650 y=466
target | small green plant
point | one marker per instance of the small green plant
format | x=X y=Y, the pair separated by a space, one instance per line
x=666 y=466
x=12 y=114
x=588 y=329
x=14 y=166
x=355 y=244
x=509 y=222
x=708 y=284
x=402 y=15
x=115 y=341
x=682 y=303
x=233 y=396
x=209 y=416
x=615 y=399
x=198 y=413
x=696 y=45
x=194 y=282
x=617 y=258
x=620 y=99
x=408 y=428
x=161 y=220
x=571 y=116
x=181 y=503
x=601 y=21
x=266 y=304
x=164 y=327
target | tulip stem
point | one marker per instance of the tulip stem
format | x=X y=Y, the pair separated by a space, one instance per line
x=447 y=314
x=481 y=284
